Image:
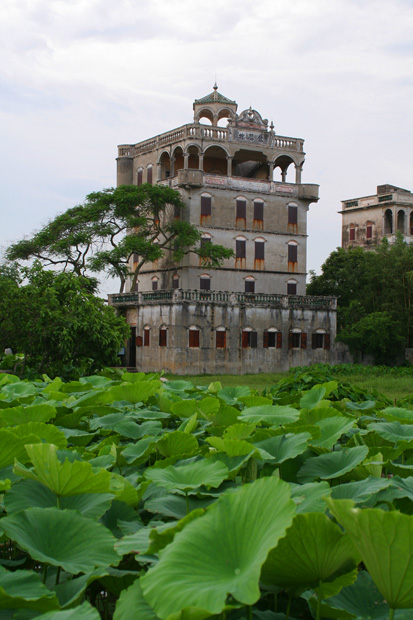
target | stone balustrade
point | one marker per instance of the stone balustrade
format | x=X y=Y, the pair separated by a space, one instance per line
x=223 y=297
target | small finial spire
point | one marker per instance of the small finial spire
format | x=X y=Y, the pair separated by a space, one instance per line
x=215 y=86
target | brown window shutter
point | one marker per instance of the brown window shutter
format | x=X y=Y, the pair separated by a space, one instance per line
x=249 y=286
x=220 y=341
x=303 y=340
x=265 y=340
x=352 y=234
x=193 y=338
x=292 y=253
x=291 y=288
x=205 y=205
x=205 y=284
x=326 y=341
x=259 y=250
x=253 y=340
x=149 y=175
x=241 y=209
x=244 y=340
x=240 y=251
x=162 y=338
x=140 y=175
x=290 y=340
x=314 y=341
x=279 y=340
x=258 y=210
x=292 y=215
x=146 y=337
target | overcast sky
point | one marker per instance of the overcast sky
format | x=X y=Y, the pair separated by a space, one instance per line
x=79 y=77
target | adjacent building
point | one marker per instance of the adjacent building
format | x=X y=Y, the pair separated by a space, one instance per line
x=242 y=187
x=366 y=220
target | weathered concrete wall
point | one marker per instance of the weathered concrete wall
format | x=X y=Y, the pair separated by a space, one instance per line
x=179 y=358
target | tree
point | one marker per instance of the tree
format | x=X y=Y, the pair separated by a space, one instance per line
x=112 y=226
x=376 y=334
x=374 y=291
x=57 y=322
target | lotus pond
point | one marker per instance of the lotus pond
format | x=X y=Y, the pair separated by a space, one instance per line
x=123 y=496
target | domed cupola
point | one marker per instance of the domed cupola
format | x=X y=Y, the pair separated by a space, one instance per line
x=214 y=107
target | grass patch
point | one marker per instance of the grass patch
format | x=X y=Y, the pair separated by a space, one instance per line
x=392 y=385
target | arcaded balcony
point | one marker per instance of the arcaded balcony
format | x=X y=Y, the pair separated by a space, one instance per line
x=196 y=131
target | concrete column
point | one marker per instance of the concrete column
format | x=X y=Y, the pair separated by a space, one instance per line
x=229 y=166
x=270 y=170
x=186 y=158
x=283 y=175
x=298 y=169
x=201 y=161
x=158 y=171
x=172 y=160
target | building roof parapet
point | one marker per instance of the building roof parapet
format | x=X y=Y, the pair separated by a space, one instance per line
x=223 y=297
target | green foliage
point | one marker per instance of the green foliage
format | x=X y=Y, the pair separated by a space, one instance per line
x=377 y=334
x=57 y=323
x=112 y=225
x=123 y=496
x=374 y=290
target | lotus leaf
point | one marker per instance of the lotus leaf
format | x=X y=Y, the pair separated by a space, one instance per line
x=63 y=478
x=331 y=430
x=85 y=545
x=271 y=414
x=23 y=590
x=222 y=552
x=333 y=464
x=189 y=477
x=282 y=447
x=132 y=599
x=312 y=397
x=385 y=543
x=313 y=551
x=30 y=493
x=82 y=612
x=177 y=443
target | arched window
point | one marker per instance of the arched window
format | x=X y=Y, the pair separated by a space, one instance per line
x=240 y=212
x=401 y=219
x=175 y=281
x=220 y=338
x=258 y=223
x=240 y=252
x=320 y=339
x=297 y=339
x=163 y=336
x=292 y=287
x=248 y=338
x=206 y=208
x=369 y=230
x=292 y=255
x=293 y=215
x=193 y=340
x=205 y=282
x=146 y=336
x=352 y=233
x=388 y=222
x=259 y=253
x=155 y=281
x=272 y=338
x=250 y=284
x=140 y=176
x=206 y=239
x=149 y=174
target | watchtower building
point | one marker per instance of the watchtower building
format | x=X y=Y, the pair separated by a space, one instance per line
x=241 y=184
